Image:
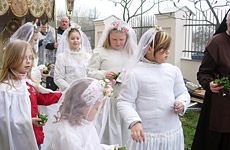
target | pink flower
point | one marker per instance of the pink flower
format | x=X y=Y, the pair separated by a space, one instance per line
x=36 y=21
x=114 y=81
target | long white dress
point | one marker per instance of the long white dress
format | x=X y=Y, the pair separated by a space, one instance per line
x=70 y=66
x=83 y=137
x=102 y=60
x=16 y=130
x=154 y=88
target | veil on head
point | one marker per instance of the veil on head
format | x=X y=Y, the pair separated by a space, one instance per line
x=64 y=44
x=80 y=98
x=131 y=41
x=146 y=39
x=25 y=32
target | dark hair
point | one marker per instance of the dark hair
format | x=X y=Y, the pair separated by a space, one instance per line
x=73 y=30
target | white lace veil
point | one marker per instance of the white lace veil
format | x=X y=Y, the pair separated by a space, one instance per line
x=80 y=99
x=25 y=32
x=147 y=39
x=64 y=44
x=131 y=41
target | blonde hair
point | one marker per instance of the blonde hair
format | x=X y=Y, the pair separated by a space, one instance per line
x=106 y=43
x=162 y=41
x=12 y=59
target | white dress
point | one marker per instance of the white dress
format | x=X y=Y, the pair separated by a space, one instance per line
x=83 y=137
x=70 y=66
x=154 y=88
x=16 y=130
x=102 y=60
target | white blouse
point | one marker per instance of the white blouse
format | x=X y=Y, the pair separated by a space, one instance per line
x=153 y=88
x=83 y=137
x=69 y=67
x=106 y=60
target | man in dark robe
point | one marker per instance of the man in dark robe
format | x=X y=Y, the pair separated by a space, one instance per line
x=213 y=129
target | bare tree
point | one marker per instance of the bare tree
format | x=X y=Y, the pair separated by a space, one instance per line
x=198 y=5
x=143 y=7
x=203 y=7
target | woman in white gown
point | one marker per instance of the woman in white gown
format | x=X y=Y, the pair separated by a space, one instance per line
x=82 y=102
x=157 y=89
x=73 y=55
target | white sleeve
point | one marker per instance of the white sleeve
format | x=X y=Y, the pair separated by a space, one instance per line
x=180 y=91
x=127 y=98
x=50 y=37
x=59 y=72
x=94 y=68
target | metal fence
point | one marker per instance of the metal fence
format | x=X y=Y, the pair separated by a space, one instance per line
x=141 y=24
x=199 y=28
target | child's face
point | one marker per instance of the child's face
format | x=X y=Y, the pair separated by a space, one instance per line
x=91 y=115
x=117 y=39
x=27 y=60
x=161 y=56
x=74 y=40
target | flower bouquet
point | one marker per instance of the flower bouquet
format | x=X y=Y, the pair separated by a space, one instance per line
x=45 y=69
x=223 y=81
x=117 y=147
x=44 y=118
x=116 y=80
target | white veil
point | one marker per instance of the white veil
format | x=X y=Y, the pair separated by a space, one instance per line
x=64 y=44
x=25 y=32
x=76 y=104
x=147 y=39
x=131 y=41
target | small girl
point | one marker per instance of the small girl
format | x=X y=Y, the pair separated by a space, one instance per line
x=157 y=89
x=83 y=101
x=73 y=55
x=29 y=32
x=19 y=99
x=116 y=46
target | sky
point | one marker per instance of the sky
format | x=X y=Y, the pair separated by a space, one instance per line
x=107 y=8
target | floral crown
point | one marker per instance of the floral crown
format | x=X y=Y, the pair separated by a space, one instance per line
x=118 y=27
x=157 y=27
x=97 y=92
x=72 y=27
x=35 y=24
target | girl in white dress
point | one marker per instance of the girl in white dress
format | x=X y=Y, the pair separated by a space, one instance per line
x=117 y=44
x=83 y=100
x=157 y=89
x=19 y=99
x=73 y=55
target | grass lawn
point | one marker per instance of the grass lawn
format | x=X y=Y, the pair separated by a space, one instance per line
x=189 y=122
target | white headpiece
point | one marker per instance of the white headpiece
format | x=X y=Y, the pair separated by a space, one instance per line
x=122 y=26
x=64 y=44
x=25 y=32
x=97 y=92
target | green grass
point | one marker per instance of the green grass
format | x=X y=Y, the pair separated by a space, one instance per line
x=189 y=122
